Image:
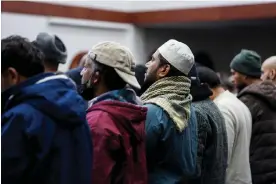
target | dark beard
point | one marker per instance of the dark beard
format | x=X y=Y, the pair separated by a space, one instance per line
x=144 y=87
x=240 y=87
x=148 y=81
x=86 y=93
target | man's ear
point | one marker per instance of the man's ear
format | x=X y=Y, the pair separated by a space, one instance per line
x=272 y=74
x=95 y=79
x=13 y=75
x=163 y=71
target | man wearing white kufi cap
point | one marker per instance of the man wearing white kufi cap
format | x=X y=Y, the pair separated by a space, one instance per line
x=171 y=128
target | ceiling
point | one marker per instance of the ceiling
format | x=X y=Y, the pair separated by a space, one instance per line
x=142 y=5
x=256 y=24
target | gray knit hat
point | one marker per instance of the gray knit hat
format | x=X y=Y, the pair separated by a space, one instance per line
x=247 y=62
x=52 y=47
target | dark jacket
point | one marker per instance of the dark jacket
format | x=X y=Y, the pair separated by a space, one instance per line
x=118 y=131
x=171 y=155
x=45 y=137
x=212 y=137
x=75 y=75
x=260 y=98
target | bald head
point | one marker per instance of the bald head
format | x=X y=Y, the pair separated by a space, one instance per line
x=269 y=69
x=270 y=62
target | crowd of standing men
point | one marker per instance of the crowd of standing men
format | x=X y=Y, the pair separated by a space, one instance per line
x=105 y=123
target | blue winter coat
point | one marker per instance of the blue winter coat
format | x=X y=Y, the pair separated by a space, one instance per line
x=45 y=136
x=171 y=155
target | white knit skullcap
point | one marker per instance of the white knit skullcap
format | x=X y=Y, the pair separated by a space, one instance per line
x=178 y=55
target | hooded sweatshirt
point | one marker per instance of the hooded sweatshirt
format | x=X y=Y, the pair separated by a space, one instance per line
x=117 y=125
x=45 y=137
x=261 y=101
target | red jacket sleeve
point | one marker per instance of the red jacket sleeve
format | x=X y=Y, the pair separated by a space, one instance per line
x=105 y=144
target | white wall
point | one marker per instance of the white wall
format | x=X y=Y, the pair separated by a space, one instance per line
x=78 y=35
x=221 y=43
x=145 y=5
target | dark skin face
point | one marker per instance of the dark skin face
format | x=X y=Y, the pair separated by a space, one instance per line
x=10 y=77
x=239 y=80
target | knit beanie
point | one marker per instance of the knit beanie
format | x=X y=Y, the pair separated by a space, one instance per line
x=247 y=62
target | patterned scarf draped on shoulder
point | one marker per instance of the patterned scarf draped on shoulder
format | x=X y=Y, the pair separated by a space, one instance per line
x=172 y=94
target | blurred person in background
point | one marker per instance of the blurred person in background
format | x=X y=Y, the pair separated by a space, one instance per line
x=226 y=82
x=238 y=124
x=140 y=71
x=54 y=50
x=116 y=121
x=245 y=69
x=212 y=136
x=44 y=133
x=75 y=75
x=202 y=58
x=171 y=127
x=260 y=98
x=269 y=69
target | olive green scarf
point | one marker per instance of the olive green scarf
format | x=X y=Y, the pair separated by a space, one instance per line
x=172 y=94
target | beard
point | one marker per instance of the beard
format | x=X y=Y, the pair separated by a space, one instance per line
x=144 y=87
x=240 y=87
x=87 y=93
x=149 y=80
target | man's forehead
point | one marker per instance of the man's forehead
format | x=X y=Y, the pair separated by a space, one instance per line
x=155 y=55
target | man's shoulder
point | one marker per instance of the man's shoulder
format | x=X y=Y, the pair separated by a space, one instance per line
x=22 y=109
x=204 y=107
x=156 y=116
x=101 y=122
x=155 y=110
x=229 y=101
x=153 y=107
x=23 y=113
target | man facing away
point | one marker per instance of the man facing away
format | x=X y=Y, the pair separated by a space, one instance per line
x=212 y=136
x=45 y=137
x=238 y=123
x=260 y=98
x=116 y=121
x=54 y=50
x=171 y=127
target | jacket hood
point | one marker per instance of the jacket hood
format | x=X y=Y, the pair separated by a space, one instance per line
x=126 y=115
x=200 y=92
x=265 y=90
x=53 y=95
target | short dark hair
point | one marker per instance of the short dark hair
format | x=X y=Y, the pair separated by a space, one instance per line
x=173 y=71
x=208 y=76
x=22 y=55
x=111 y=79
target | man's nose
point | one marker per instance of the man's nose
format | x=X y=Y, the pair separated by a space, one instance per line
x=231 y=79
x=147 y=64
